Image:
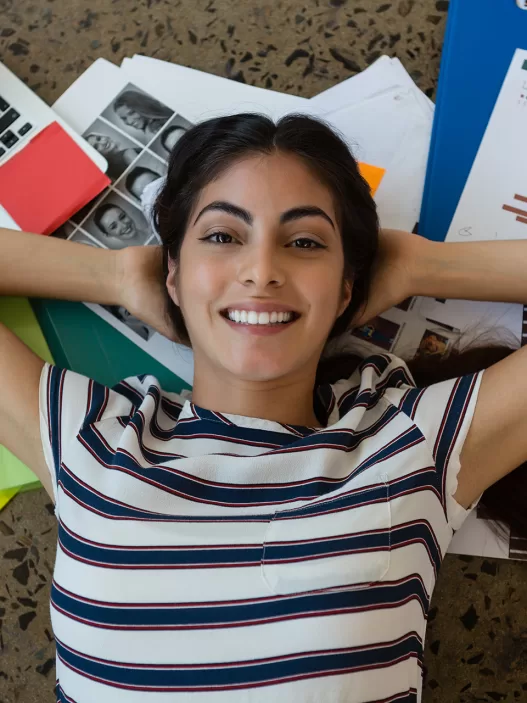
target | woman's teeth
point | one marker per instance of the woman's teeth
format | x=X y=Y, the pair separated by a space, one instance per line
x=259 y=318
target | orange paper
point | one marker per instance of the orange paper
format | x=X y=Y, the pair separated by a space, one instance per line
x=373 y=174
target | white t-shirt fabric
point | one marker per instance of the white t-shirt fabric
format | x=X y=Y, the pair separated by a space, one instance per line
x=217 y=558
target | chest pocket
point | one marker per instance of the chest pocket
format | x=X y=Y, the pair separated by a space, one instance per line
x=341 y=542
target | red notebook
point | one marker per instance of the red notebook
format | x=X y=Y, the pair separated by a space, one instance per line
x=48 y=181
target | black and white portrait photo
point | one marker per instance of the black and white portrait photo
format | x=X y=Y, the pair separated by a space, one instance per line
x=143 y=172
x=132 y=322
x=169 y=136
x=117 y=224
x=137 y=114
x=116 y=148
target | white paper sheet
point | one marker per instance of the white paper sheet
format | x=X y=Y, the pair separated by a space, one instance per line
x=389 y=130
x=493 y=204
x=383 y=75
x=203 y=95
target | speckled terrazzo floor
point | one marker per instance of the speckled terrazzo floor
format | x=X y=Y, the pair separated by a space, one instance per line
x=477 y=637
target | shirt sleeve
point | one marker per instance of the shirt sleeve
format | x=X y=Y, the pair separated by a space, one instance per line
x=443 y=412
x=68 y=400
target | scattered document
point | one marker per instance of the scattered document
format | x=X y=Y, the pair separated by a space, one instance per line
x=493 y=204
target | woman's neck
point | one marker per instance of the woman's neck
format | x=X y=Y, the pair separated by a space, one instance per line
x=287 y=402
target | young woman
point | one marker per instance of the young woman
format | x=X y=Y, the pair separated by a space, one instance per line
x=118 y=158
x=118 y=228
x=273 y=536
x=141 y=112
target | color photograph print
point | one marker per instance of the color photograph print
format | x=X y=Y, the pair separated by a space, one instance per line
x=168 y=137
x=115 y=146
x=433 y=344
x=378 y=331
x=144 y=171
x=117 y=224
x=137 y=114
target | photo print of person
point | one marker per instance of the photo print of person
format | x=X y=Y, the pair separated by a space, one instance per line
x=169 y=136
x=143 y=172
x=117 y=224
x=132 y=322
x=137 y=114
x=378 y=331
x=116 y=148
x=433 y=344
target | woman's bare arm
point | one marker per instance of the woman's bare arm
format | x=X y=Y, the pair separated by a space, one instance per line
x=33 y=265
x=38 y=266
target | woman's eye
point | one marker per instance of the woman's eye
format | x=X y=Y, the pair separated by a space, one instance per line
x=217 y=234
x=309 y=241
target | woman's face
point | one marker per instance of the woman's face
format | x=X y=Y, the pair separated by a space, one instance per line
x=101 y=143
x=171 y=137
x=131 y=117
x=259 y=259
x=116 y=223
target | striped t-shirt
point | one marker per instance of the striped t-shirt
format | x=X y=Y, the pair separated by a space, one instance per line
x=216 y=558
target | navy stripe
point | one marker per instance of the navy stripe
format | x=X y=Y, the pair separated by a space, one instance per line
x=241 y=674
x=170 y=479
x=240 y=613
x=55 y=389
x=94 y=501
x=97 y=401
x=455 y=414
x=129 y=557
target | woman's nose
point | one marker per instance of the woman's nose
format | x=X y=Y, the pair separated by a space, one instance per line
x=261 y=265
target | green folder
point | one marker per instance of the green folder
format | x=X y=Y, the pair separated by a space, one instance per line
x=73 y=337
x=82 y=341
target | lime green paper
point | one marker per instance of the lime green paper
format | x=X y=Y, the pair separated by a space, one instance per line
x=17 y=314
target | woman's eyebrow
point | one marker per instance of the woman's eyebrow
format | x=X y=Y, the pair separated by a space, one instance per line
x=229 y=208
x=295 y=213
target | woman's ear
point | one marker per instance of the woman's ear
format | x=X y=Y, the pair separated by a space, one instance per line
x=346 y=296
x=171 y=280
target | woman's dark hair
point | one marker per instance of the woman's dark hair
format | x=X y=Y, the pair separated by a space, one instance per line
x=143 y=104
x=209 y=148
x=135 y=173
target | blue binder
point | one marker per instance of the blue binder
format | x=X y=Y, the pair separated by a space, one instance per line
x=480 y=39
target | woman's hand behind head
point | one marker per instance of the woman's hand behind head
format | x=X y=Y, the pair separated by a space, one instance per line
x=143 y=290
